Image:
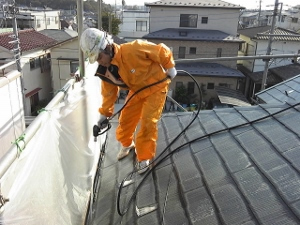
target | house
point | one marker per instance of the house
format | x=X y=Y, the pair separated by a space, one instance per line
x=135 y=24
x=35 y=65
x=256 y=42
x=38 y=19
x=198 y=29
x=65 y=62
x=59 y=35
x=287 y=19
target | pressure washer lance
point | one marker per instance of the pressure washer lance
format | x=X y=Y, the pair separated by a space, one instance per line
x=97 y=128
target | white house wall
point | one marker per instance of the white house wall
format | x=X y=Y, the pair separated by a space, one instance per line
x=278 y=48
x=225 y=20
x=287 y=23
x=128 y=29
x=61 y=68
x=44 y=17
x=34 y=78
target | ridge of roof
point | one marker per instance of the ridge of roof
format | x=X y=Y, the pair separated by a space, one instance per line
x=196 y=3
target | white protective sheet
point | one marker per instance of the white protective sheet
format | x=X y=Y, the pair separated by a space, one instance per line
x=12 y=123
x=51 y=181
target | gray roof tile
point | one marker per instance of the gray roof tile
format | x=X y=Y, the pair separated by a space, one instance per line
x=221 y=174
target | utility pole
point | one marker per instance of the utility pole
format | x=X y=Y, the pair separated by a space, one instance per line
x=265 y=74
x=80 y=29
x=100 y=14
x=10 y=11
x=259 y=12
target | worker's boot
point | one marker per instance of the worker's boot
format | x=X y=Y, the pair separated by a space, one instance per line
x=125 y=151
x=142 y=166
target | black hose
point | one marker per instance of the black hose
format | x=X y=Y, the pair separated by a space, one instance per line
x=160 y=155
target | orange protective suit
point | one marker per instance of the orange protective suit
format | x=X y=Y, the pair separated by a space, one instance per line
x=140 y=63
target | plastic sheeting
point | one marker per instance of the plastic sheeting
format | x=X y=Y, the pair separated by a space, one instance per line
x=51 y=181
x=12 y=122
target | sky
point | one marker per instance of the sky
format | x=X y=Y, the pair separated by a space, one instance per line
x=249 y=4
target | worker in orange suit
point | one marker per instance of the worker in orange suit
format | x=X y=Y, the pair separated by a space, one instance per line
x=133 y=65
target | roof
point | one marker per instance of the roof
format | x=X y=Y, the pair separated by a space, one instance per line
x=256 y=77
x=231 y=97
x=59 y=35
x=253 y=31
x=208 y=69
x=29 y=39
x=286 y=72
x=280 y=31
x=261 y=33
x=196 y=3
x=232 y=166
x=192 y=35
x=286 y=91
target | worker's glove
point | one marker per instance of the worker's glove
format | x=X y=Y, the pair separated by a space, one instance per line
x=102 y=122
x=172 y=72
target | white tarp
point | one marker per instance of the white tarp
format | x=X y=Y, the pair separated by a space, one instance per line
x=51 y=181
x=12 y=123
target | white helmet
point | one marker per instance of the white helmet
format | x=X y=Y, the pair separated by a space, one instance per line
x=92 y=41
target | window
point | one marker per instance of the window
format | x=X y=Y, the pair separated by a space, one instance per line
x=191 y=88
x=188 y=20
x=34 y=63
x=294 y=20
x=38 y=23
x=56 y=20
x=219 y=52
x=192 y=50
x=181 y=54
x=48 y=21
x=204 y=20
x=141 y=25
x=210 y=86
x=74 y=66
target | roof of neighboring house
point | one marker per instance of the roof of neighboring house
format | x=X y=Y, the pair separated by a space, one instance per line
x=192 y=35
x=261 y=33
x=256 y=77
x=208 y=69
x=253 y=31
x=275 y=74
x=286 y=72
x=29 y=39
x=59 y=35
x=196 y=3
x=232 y=97
x=286 y=91
x=232 y=166
x=285 y=35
